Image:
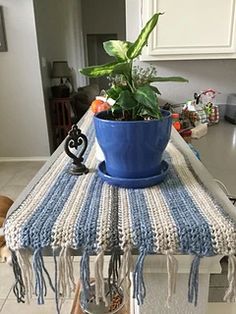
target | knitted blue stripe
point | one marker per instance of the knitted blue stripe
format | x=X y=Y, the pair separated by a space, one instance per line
x=36 y=232
x=143 y=239
x=142 y=229
x=192 y=228
x=85 y=232
x=86 y=224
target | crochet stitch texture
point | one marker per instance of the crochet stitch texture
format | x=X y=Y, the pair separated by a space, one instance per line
x=65 y=212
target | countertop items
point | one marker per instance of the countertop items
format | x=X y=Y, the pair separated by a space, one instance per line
x=199 y=131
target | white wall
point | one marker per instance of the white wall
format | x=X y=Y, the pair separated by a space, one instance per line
x=23 y=130
x=202 y=74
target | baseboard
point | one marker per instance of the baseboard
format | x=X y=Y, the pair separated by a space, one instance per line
x=16 y=159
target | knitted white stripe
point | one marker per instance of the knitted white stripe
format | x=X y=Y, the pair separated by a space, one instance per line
x=162 y=221
x=220 y=226
x=125 y=222
x=104 y=216
x=125 y=230
x=103 y=236
x=163 y=225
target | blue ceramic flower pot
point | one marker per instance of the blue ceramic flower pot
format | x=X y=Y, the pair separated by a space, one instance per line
x=132 y=149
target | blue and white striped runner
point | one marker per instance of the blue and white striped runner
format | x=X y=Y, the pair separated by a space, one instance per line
x=63 y=211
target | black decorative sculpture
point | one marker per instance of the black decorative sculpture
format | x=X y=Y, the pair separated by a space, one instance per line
x=74 y=139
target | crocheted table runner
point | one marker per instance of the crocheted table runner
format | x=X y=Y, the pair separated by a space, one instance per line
x=62 y=211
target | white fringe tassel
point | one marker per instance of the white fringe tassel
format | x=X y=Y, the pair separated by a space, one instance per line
x=230 y=294
x=23 y=257
x=99 y=279
x=66 y=281
x=124 y=271
x=172 y=269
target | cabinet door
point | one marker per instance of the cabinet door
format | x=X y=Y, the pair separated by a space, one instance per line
x=191 y=29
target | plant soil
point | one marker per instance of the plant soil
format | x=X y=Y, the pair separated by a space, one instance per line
x=119 y=116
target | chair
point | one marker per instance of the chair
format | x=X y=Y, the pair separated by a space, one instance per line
x=61 y=118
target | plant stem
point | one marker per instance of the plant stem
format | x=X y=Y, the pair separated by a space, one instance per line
x=133 y=114
x=129 y=78
x=130 y=86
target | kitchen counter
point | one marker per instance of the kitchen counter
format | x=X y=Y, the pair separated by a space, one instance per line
x=218 y=153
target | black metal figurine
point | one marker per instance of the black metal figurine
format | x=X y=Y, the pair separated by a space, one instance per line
x=74 y=139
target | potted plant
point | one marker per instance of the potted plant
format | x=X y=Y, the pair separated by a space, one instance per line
x=134 y=133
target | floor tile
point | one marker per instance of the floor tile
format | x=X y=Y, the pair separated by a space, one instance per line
x=12 y=191
x=22 y=177
x=5 y=178
x=14 y=176
x=2 y=301
x=218 y=280
x=66 y=307
x=11 y=306
x=221 y=308
x=216 y=294
x=6 y=280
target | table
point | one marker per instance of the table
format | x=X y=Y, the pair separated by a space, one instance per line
x=153 y=263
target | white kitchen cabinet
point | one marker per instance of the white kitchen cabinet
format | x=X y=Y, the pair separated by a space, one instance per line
x=190 y=29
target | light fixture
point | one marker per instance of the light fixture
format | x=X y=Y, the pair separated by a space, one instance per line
x=61 y=70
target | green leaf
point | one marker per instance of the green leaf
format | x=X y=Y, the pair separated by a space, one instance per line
x=155 y=89
x=136 y=48
x=168 y=79
x=146 y=96
x=144 y=112
x=117 y=48
x=114 y=92
x=122 y=68
x=115 y=107
x=126 y=100
x=105 y=69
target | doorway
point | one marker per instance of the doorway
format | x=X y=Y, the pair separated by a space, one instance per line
x=97 y=55
x=102 y=20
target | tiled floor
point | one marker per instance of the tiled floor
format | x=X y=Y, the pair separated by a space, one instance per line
x=14 y=176
x=218 y=153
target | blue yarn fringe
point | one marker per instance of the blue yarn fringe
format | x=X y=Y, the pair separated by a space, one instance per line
x=193 y=281
x=139 y=291
x=85 y=276
x=113 y=271
x=18 y=288
x=40 y=272
x=56 y=283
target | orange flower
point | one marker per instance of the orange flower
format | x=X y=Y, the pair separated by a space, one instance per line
x=99 y=105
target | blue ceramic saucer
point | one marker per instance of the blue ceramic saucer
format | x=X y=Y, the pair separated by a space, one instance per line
x=133 y=183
